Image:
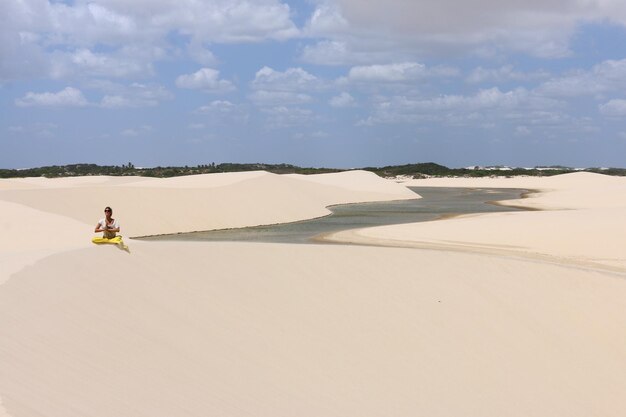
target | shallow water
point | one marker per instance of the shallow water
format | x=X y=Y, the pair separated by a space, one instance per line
x=435 y=202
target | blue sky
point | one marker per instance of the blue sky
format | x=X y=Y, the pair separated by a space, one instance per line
x=336 y=83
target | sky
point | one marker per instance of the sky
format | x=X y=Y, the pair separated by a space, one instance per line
x=320 y=83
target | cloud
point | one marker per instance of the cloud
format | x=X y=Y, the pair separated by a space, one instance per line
x=354 y=51
x=292 y=79
x=200 y=54
x=353 y=31
x=128 y=61
x=342 y=100
x=517 y=104
x=134 y=95
x=614 y=108
x=129 y=132
x=319 y=134
x=483 y=99
x=282 y=117
x=278 y=98
x=225 y=21
x=326 y=19
x=68 y=97
x=504 y=73
x=217 y=106
x=223 y=111
x=205 y=79
x=387 y=73
x=138 y=131
x=59 y=39
x=398 y=72
x=117 y=21
x=522 y=131
x=37 y=129
x=605 y=77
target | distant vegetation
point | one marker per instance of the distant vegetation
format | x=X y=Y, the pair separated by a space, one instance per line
x=431 y=169
x=75 y=170
x=420 y=170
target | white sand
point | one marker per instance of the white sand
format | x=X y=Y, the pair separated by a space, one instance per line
x=241 y=329
x=203 y=202
x=583 y=222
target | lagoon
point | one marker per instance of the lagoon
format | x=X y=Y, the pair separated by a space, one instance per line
x=434 y=204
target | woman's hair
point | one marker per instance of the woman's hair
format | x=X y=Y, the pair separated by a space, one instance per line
x=107 y=208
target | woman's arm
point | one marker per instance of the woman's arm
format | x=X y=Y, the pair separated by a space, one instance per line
x=115 y=227
x=98 y=229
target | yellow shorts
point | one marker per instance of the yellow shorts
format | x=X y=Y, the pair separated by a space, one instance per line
x=117 y=240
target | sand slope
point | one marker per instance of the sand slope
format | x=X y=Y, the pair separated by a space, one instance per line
x=202 y=202
x=583 y=222
x=197 y=329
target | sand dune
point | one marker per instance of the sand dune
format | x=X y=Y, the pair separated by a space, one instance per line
x=283 y=330
x=583 y=223
x=203 y=202
x=533 y=326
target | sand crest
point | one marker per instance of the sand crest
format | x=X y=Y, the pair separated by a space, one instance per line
x=582 y=222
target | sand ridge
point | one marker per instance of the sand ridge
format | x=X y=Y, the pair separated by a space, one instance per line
x=203 y=202
x=582 y=221
x=283 y=330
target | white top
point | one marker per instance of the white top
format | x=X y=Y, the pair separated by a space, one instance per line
x=103 y=225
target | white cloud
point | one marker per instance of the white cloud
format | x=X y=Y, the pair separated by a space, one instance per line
x=489 y=104
x=292 y=79
x=318 y=134
x=342 y=100
x=87 y=24
x=37 y=129
x=614 y=108
x=399 y=29
x=200 y=54
x=483 y=99
x=223 y=111
x=217 y=106
x=230 y=20
x=326 y=19
x=278 y=98
x=49 y=38
x=68 y=97
x=215 y=21
x=134 y=95
x=281 y=116
x=205 y=79
x=398 y=72
x=522 y=131
x=328 y=52
x=129 y=132
x=137 y=131
x=387 y=73
x=605 y=77
x=504 y=73
x=351 y=52
x=125 y=62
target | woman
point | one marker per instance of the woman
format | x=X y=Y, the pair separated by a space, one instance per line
x=108 y=225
